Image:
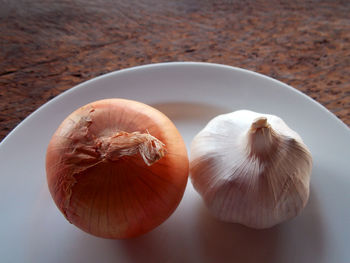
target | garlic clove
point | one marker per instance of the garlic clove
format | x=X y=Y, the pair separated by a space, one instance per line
x=251 y=168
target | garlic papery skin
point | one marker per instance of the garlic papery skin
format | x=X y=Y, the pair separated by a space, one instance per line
x=251 y=168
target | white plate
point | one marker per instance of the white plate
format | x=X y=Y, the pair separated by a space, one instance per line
x=33 y=230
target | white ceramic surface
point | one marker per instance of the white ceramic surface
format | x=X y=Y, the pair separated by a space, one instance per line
x=33 y=230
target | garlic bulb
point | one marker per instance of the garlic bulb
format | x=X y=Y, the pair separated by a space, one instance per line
x=251 y=168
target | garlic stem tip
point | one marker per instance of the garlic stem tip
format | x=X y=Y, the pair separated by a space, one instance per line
x=260 y=122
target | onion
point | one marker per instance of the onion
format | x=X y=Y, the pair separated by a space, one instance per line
x=117 y=168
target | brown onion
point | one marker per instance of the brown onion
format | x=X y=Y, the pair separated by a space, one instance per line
x=117 y=168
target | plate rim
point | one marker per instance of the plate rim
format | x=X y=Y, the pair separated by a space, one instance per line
x=171 y=64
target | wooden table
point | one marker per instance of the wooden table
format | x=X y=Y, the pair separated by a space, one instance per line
x=47 y=47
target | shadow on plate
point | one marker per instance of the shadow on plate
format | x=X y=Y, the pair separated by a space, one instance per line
x=216 y=241
x=225 y=242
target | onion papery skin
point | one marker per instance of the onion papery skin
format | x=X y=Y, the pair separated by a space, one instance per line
x=120 y=197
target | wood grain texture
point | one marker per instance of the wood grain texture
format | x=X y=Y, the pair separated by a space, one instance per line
x=46 y=47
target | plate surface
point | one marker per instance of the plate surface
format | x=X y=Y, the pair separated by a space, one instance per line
x=33 y=230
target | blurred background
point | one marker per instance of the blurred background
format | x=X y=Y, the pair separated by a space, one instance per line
x=47 y=47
